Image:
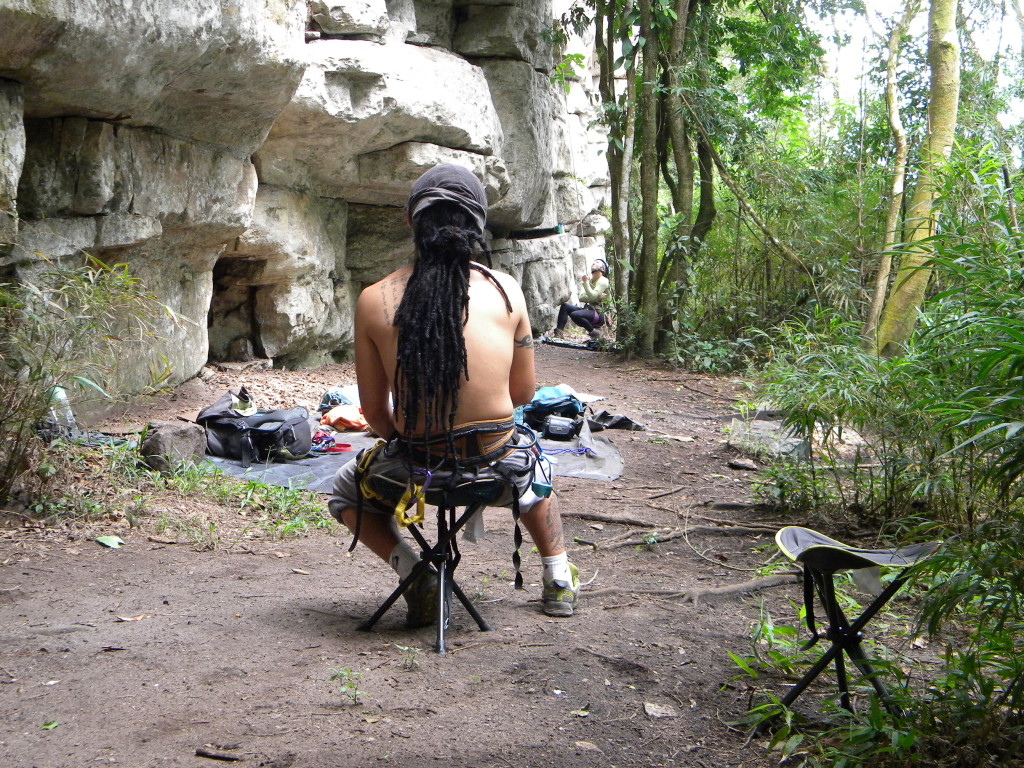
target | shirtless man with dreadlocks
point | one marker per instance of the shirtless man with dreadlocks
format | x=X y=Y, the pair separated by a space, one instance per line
x=450 y=341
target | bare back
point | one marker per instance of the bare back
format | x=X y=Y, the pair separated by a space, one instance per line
x=499 y=349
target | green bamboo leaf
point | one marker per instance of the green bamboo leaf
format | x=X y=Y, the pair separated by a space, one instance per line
x=89 y=383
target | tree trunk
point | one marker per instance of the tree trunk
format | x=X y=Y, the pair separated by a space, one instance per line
x=899 y=175
x=682 y=198
x=706 y=210
x=648 y=267
x=899 y=316
x=673 y=271
x=623 y=238
x=621 y=112
x=665 y=135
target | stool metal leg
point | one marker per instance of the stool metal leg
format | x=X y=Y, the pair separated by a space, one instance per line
x=846 y=638
x=442 y=605
x=443 y=558
x=403 y=585
x=815 y=670
x=837 y=632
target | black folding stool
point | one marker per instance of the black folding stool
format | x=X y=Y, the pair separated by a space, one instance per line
x=822 y=558
x=444 y=556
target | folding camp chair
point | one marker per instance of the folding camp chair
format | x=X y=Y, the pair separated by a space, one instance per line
x=443 y=556
x=822 y=558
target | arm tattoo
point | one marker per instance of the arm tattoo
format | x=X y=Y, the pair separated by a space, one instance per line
x=525 y=342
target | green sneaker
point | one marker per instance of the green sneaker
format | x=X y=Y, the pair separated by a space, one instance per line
x=560 y=598
x=421 y=600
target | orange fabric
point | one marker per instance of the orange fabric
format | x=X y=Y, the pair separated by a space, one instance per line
x=345 y=418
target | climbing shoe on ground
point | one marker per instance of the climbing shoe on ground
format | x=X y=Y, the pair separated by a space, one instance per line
x=421 y=600
x=560 y=598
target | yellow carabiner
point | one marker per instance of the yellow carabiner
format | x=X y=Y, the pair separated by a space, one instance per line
x=412 y=491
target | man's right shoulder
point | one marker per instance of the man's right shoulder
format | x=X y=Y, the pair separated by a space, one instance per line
x=385 y=295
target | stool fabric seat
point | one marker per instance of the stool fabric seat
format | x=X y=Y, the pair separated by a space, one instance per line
x=822 y=558
x=803 y=545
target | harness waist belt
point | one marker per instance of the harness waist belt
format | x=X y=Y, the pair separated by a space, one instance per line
x=476 y=443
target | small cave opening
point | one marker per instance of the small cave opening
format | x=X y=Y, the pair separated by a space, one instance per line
x=232 y=325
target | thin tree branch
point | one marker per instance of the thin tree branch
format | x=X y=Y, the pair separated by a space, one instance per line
x=782 y=248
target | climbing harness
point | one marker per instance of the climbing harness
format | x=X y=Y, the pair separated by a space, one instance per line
x=403 y=475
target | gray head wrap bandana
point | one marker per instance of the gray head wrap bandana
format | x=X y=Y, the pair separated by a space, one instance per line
x=452 y=184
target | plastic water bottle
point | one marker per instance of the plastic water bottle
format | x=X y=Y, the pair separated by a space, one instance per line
x=60 y=408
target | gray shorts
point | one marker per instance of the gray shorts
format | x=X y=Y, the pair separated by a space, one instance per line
x=525 y=472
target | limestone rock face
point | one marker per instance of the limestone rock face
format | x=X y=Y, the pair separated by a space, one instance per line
x=207 y=70
x=507 y=32
x=379 y=242
x=361 y=17
x=546 y=275
x=527 y=104
x=360 y=97
x=76 y=167
x=279 y=285
x=249 y=160
x=12 y=155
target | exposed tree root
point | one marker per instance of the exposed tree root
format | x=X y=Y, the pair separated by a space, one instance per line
x=694 y=596
x=602 y=518
x=658 y=536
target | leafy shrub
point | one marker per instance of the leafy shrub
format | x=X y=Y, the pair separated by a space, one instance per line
x=944 y=427
x=63 y=328
x=828 y=388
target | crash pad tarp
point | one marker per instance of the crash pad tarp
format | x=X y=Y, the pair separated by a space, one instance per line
x=589 y=456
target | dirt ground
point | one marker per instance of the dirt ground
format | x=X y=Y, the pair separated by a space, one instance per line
x=152 y=653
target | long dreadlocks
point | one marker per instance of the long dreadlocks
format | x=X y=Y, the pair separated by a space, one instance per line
x=447 y=207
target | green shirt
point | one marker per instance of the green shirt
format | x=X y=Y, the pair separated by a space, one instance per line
x=592 y=290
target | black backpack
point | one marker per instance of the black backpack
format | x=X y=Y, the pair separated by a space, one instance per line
x=235 y=431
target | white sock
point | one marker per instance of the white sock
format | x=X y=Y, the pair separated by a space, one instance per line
x=403 y=559
x=556 y=568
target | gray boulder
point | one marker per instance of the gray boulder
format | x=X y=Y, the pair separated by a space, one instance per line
x=169 y=444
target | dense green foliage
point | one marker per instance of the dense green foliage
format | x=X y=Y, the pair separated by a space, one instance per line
x=942 y=457
x=771 y=229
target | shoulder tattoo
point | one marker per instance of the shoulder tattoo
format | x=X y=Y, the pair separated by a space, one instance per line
x=390 y=298
x=526 y=341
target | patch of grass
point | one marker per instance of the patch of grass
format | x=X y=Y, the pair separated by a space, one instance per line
x=200 y=532
x=112 y=482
